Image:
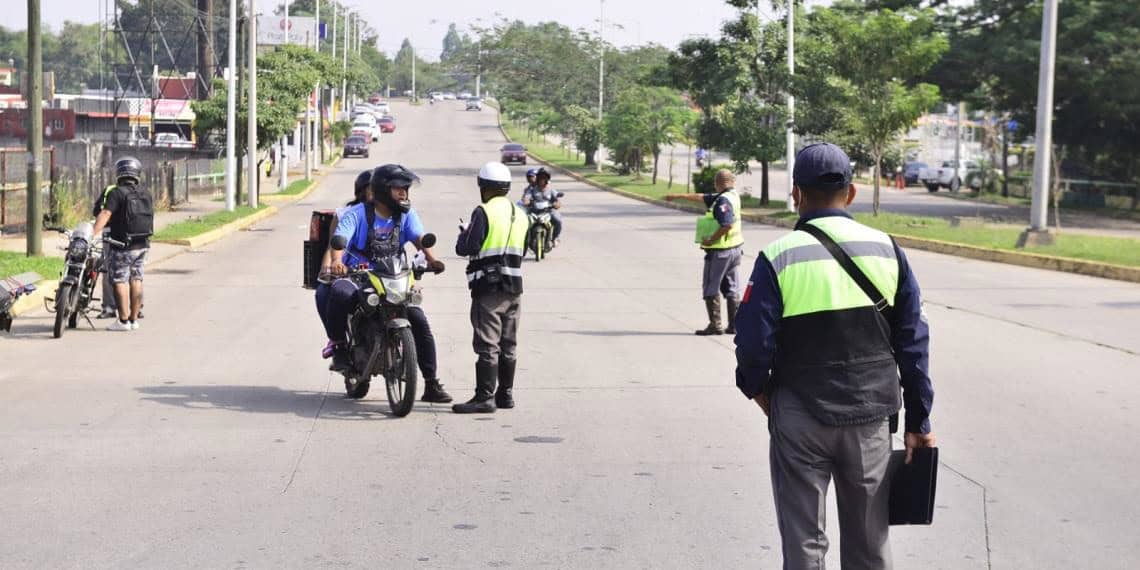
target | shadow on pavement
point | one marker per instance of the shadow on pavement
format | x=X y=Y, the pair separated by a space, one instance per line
x=274 y=400
x=626 y=333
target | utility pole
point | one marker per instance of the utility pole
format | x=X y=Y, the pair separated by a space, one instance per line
x=35 y=128
x=344 y=66
x=251 y=127
x=958 y=141
x=333 y=92
x=288 y=24
x=601 y=66
x=205 y=48
x=317 y=96
x=1039 y=209
x=231 y=110
x=791 y=133
x=415 y=93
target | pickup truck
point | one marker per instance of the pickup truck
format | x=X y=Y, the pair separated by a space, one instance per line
x=171 y=140
x=949 y=175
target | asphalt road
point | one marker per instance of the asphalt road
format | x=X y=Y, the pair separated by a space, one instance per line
x=215 y=437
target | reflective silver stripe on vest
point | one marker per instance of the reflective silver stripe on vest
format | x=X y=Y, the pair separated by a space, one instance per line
x=511 y=271
x=497 y=251
x=816 y=252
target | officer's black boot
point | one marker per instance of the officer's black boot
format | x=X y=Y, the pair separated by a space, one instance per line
x=484 y=400
x=434 y=392
x=712 y=305
x=733 y=307
x=504 y=398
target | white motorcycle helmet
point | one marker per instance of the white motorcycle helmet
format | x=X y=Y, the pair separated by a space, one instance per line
x=495 y=176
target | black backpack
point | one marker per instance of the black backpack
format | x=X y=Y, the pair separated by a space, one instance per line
x=139 y=212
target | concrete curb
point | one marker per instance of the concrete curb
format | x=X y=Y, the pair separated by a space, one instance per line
x=290 y=198
x=1033 y=260
x=217 y=234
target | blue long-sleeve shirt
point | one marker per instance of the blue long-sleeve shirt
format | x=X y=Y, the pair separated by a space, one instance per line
x=758 y=322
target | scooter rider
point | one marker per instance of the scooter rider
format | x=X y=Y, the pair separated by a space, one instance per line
x=494 y=242
x=390 y=214
x=540 y=191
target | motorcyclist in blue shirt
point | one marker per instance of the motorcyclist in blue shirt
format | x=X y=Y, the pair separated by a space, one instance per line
x=394 y=225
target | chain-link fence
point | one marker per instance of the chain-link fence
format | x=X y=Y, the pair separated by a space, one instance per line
x=70 y=192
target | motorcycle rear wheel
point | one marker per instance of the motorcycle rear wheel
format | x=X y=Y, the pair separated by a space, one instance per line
x=357 y=388
x=62 y=308
x=401 y=378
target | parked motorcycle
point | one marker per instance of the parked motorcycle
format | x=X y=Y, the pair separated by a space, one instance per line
x=77 y=285
x=380 y=338
x=540 y=237
x=11 y=289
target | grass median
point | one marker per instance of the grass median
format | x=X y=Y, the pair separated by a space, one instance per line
x=14 y=263
x=295 y=187
x=198 y=226
x=642 y=185
x=1118 y=251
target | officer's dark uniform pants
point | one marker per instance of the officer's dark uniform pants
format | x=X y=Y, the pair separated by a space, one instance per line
x=495 y=320
x=337 y=301
x=804 y=455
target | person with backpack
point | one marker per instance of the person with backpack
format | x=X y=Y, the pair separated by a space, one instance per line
x=128 y=210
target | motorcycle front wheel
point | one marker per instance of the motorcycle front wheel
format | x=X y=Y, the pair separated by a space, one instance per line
x=539 y=243
x=63 y=304
x=402 y=375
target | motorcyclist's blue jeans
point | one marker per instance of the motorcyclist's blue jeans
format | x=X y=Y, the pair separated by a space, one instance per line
x=556 y=221
x=337 y=301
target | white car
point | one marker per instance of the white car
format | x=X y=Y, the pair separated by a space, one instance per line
x=171 y=140
x=474 y=104
x=365 y=124
x=436 y=96
x=383 y=108
x=465 y=95
x=449 y=96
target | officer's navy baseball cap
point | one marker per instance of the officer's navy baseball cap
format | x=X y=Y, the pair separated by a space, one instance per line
x=822 y=166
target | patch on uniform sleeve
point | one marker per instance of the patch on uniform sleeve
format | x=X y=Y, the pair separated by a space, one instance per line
x=747 y=293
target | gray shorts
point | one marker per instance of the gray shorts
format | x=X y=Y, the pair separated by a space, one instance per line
x=127 y=264
x=721 y=273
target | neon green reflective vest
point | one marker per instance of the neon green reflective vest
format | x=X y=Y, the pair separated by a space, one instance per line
x=735 y=236
x=498 y=265
x=833 y=349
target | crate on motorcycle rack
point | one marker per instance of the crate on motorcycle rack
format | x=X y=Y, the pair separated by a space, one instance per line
x=314 y=247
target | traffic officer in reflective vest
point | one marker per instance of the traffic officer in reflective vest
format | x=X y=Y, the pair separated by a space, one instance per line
x=722 y=240
x=825 y=363
x=494 y=241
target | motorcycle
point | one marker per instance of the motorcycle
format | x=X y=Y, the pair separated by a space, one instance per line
x=11 y=289
x=540 y=237
x=77 y=286
x=380 y=338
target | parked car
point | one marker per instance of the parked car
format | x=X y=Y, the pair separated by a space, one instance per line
x=512 y=152
x=449 y=96
x=374 y=99
x=950 y=175
x=387 y=125
x=435 y=96
x=171 y=140
x=356 y=145
x=465 y=95
x=382 y=107
x=366 y=126
x=474 y=104
x=911 y=171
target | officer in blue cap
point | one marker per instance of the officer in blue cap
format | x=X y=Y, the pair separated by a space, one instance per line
x=830 y=326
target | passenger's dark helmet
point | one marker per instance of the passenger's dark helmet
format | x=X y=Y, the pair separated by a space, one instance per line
x=389 y=176
x=128 y=168
x=361 y=186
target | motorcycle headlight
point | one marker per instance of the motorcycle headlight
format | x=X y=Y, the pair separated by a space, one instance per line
x=372 y=299
x=77 y=252
x=396 y=290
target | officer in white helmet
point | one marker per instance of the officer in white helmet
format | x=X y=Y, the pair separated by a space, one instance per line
x=494 y=242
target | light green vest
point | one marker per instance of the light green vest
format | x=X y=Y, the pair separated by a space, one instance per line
x=503 y=236
x=812 y=281
x=735 y=236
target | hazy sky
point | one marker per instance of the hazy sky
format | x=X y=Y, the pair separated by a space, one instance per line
x=425 y=21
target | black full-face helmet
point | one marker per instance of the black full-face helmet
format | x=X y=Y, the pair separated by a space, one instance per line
x=389 y=176
x=128 y=169
x=361 y=186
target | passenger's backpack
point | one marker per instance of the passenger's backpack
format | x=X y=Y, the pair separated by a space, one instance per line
x=139 y=212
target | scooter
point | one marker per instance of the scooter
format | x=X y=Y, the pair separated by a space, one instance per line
x=540 y=238
x=380 y=340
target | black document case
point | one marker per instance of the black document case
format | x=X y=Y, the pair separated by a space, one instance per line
x=913 y=486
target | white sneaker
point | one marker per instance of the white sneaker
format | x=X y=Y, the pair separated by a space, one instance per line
x=134 y=325
x=119 y=326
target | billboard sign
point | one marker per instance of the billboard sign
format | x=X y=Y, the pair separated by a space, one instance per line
x=273 y=30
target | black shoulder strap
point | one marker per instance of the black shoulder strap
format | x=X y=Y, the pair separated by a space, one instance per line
x=849 y=266
x=370 y=220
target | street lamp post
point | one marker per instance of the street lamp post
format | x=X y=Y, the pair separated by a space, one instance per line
x=231 y=112
x=601 y=67
x=1039 y=210
x=251 y=126
x=791 y=134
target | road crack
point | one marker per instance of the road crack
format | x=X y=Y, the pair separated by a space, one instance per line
x=308 y=436
x=448 y=444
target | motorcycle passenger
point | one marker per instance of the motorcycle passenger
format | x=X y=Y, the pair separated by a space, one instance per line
x=362 y=194
x=541 y=191
x=394 y=224
x=530 y=177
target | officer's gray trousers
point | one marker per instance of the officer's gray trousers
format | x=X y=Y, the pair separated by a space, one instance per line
x=805 y=454
x=720 y=273
x=495 y=320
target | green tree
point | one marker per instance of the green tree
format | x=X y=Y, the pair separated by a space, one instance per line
x=870 y=63
x=641 y=122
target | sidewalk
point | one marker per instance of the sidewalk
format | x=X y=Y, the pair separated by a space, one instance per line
x=198 y=206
